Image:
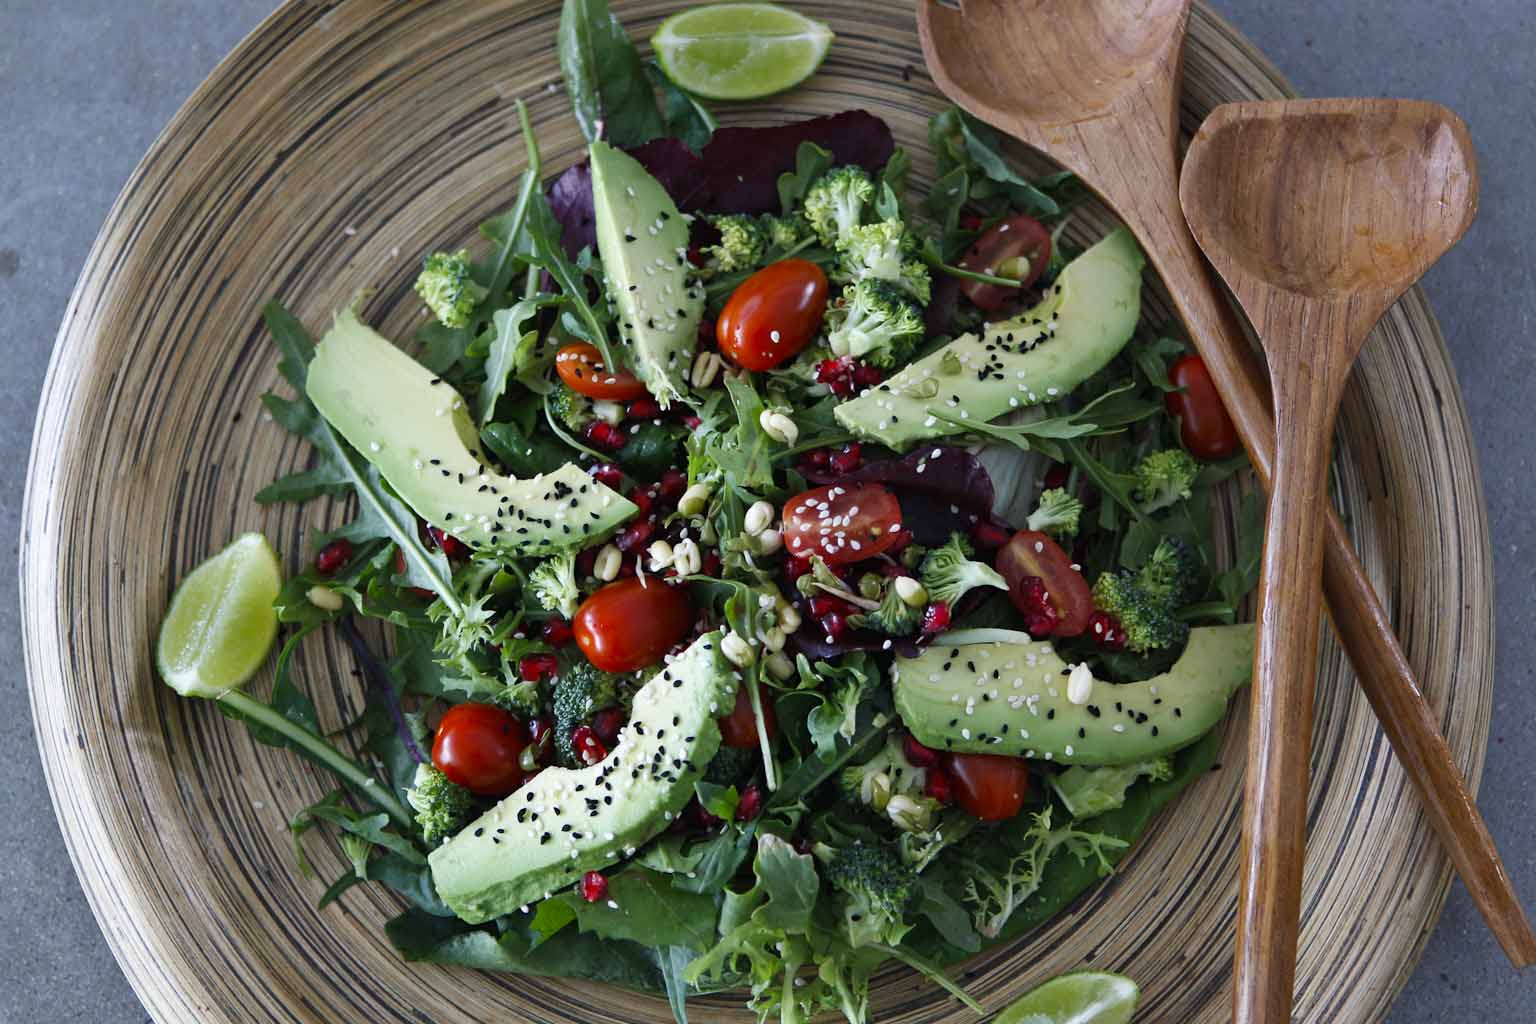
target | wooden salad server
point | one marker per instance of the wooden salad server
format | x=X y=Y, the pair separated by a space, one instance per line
x=1094 y=84
x=1319 y=214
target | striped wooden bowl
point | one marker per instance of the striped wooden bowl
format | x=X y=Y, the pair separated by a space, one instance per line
x=335 y=145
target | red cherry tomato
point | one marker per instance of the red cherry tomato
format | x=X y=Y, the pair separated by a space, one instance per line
x=1017 y=237
x=1204 y=425
x=841 y=523
x=1031 y=553
x=478 y=746
x=581 y=367
x=739 y=728
x=629 y=624
x=989 y=786
x=773 y=314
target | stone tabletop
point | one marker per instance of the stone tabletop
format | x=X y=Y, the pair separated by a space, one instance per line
x=85 y=85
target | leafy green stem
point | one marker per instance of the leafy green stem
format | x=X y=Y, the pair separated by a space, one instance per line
x=501 y=276
x=972 y=275
x=770 y=767
x=317 y=749
x=932 y=972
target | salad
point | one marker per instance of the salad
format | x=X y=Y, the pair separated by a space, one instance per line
x=770 y=574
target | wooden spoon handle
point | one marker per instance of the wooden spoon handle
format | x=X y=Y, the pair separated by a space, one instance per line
x=1363 y=625
x=1280 y=729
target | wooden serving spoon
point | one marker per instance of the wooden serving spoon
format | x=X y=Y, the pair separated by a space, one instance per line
x=1319 y=214
x=1094 y=84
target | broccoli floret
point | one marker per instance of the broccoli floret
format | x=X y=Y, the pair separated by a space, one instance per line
x=836 y=201
x=730 y=765
x=446 y=287
x=1088 y=792
x=1146 y=614
x=894 y=617
x=885 y=250
x=883 y=776
x=743 y=243
x=1173 y=571
x=1164 y=478
x=784 y=233
x=874 y=888
x=876 y=321
x=1057 y=514
x=553 y=584
x=948 y=572
x=571 y=408
x=442 y=807
x=581 y=690
x=521 y=697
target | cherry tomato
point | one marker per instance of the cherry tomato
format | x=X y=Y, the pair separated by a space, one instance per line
x=629 y=624
x=581 y=367
x=773 y=314
x=989 y=786
x=842 y=524
x=739 y=728
x=1031 y=553
x=478 y=746
x=1204 y=425
x=1018 y=237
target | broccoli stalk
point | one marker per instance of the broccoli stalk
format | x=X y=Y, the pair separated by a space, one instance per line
x=448 y=290
x=571 y=408
x=742 y=246
x=442 y=807
x=1163 y=479
x=884 y=251
x=836 y=201
x=1057 y=514
x=875 y=321
x=873 y=889
x=553 y=584
x=948 y=572
x=1146 y=602
x=580 y=691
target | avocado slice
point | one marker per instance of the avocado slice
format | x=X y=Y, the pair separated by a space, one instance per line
x=998 y=691
x=415 y=428
x=643 y=242
x=566 y=822
x=1083 y=322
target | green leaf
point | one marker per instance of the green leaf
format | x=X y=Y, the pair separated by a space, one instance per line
x=720 y=857
x=547 y=252
x=946 y=914
x=512 y=352
x=522 y=455
x=673 y=960
x=604 y=77
x=789 y=880
x=984 y=147
x=643 y=906
x=549 y=917
x=721 y=801
x=811 y=162
x=687 y=119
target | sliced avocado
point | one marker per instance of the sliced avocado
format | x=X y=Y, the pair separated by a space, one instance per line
x=416 y=430
x=643 y=242
x=566 y=822
x=1000 y=692
x=1083 y=322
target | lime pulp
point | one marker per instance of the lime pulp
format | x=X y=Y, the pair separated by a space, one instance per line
x=221 y=622
x=1086 y=997
x=740 y=51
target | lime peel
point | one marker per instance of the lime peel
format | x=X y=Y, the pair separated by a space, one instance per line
x=740 y=51
x=1083 y=997
x=221 y=623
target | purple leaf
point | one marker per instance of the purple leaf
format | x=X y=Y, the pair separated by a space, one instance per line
x=737 y=171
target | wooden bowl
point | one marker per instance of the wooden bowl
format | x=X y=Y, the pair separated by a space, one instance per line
x=336 y=144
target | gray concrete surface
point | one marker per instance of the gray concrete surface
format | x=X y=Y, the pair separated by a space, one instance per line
x=86 y=84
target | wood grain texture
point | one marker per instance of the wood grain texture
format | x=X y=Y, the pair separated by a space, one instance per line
x=333 y=147
x=1096 y=89
x=1318 y=214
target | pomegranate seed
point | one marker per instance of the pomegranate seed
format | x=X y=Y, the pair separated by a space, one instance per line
x=696 y=255
x=608 y=474
x=1056 y=476
x=706 y=333
x=903 y=538
x=821 y=458
x=1040 y=615
x=826 y=604
x=585 y=561
x=556 y=632
x=630 y=566
x=866 y=376
x=692 y=422
x=589 y=749
x=989 y=536
x=594 y=886
x=710 y=564
x=607 y=723
x=835 y=625
x=1106 y=631
x=604 y=435
x=672 y=485
x=847 y=460
x=935 y=617
x=634 y=536
x=334 y=556
x=643 y=501
x=448 y=544
x=828 y=370
x=919 y=755
x=795 y=567
x=534 y=667
x=970 y=222
x=643 y=409
x=750 y=804
x=938 y=785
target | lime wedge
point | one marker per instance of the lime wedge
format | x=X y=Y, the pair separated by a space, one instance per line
x=221 y=622
x=1087 y=997
x=740 y=51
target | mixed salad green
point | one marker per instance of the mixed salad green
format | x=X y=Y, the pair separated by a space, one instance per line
x=778 y=577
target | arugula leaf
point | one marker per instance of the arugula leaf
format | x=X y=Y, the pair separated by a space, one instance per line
x=672 y=961
x=811 y=162
x=687 y=119
x=721 y=801
x=720 y=857
x=610 y=94
x=643 y=906
x=547 y=253
x=513 y=353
